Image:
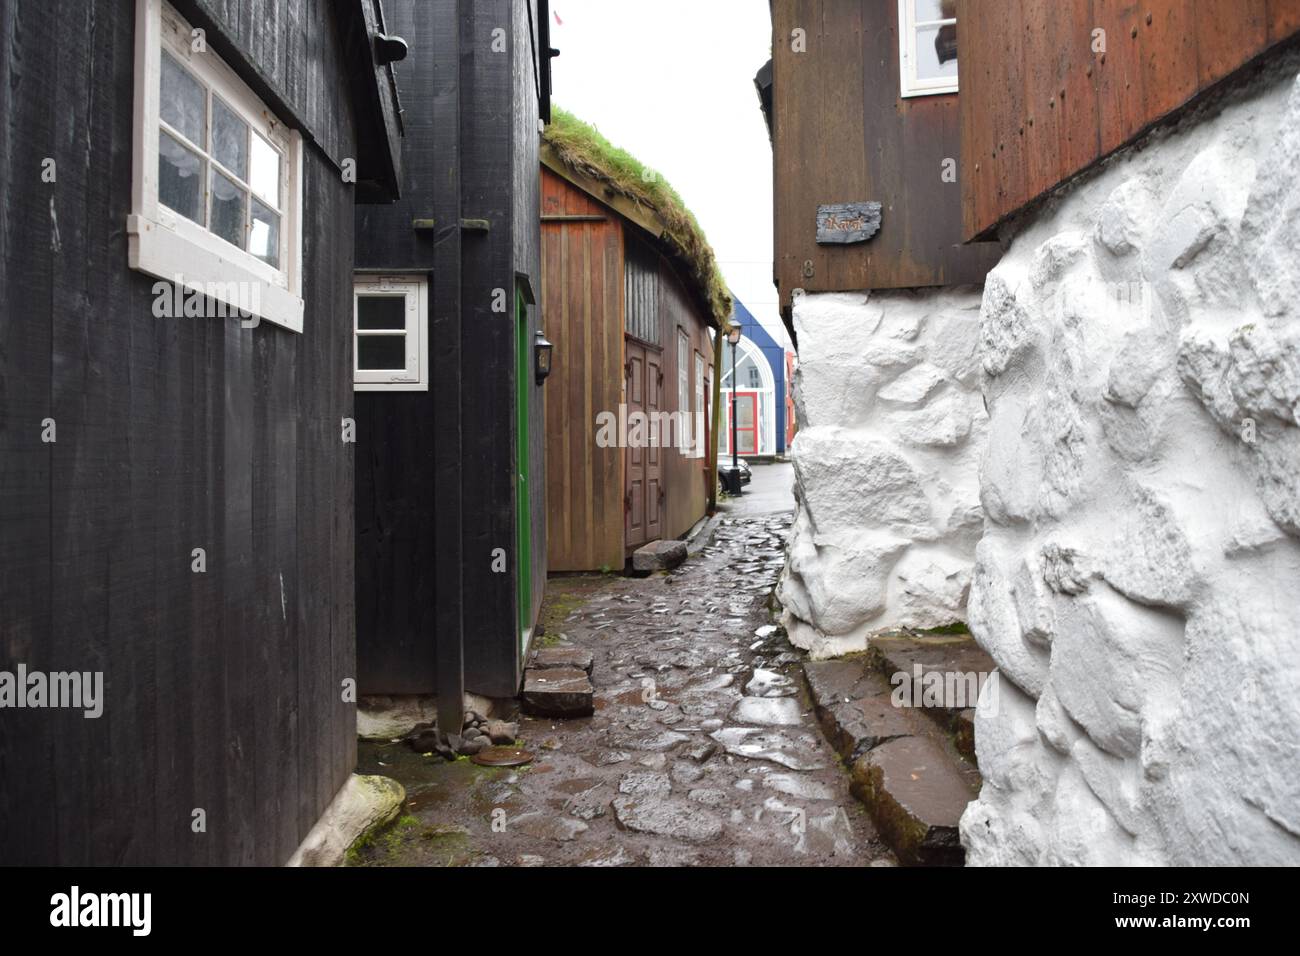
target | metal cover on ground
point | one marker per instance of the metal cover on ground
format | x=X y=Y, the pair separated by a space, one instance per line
x=502 y=757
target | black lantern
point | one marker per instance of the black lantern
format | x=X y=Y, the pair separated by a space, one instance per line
x=731 y=477
x=542 y=357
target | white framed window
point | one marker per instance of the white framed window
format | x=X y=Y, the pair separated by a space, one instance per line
x=927 y=47
x=698 y=424
x=216 y=201
x=684 y=390
x=390 y=322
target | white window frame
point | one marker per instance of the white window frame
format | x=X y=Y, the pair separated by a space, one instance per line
x=698 y=425
x=415 y=377
x=684 y=386
x=908 y=83
x=169 y=246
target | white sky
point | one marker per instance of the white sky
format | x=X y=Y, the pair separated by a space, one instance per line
x=672 y=82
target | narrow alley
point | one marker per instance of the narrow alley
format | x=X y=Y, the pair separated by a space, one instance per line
x=703 y=748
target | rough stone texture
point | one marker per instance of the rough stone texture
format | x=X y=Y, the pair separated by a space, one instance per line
x=892 y=427
x=659 y=556
x=916 y=797
x=557 y=692
x=562 y=656
x=1137 y=584
x=363 y=804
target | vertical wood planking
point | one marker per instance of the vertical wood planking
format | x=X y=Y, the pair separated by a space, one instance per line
x=1158 y=56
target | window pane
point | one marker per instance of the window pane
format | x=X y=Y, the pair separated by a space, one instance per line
x=227 y=219
x=180 y=178
x=381 y=352
x=183 y=102
x=265 y=175
x=264 y=237
x=936 y=52
x=229 y=139
x=935 y=10
x=381 y=312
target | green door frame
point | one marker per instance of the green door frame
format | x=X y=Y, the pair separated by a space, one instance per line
x=523 y=503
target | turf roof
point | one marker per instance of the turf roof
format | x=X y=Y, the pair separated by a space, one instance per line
x=580 y=147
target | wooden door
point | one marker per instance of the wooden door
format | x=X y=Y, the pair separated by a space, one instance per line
x=644 y=499
x=654 y=462
x=634 y=532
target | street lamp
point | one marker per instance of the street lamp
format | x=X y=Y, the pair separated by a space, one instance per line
x=733 y=477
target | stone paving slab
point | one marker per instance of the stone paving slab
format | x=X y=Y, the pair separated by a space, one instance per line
x=916 y=796
x=564 y=656
x=558 y=692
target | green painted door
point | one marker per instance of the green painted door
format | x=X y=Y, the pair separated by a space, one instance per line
x=523 y=508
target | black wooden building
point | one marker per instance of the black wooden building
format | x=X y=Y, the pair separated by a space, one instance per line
x=176 y=490
x=450 y=521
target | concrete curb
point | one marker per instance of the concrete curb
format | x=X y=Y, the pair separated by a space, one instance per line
x=699 y=536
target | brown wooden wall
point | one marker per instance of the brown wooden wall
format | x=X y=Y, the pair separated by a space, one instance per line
x=1038 y=104
x=582 y=314
x=685 y=478
x=841 y=133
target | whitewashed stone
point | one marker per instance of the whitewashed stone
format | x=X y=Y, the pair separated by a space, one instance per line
x=1136 y=583
x=886 y=465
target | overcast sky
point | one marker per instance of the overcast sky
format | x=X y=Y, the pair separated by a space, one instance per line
x=672 y=82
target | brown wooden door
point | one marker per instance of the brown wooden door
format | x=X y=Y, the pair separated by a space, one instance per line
x=654 y=462
x=634 y=497
x=643 y=500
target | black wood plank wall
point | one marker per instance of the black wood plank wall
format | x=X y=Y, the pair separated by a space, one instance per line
x=471 y=152
x=223 y=689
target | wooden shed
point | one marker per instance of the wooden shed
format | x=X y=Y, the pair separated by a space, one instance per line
x=632 y=303
x=450 y=507
x=175 y=485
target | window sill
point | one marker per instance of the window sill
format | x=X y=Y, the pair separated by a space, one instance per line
x=390 y=386
x=160 y=251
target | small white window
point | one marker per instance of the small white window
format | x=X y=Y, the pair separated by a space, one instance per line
x=927 y=46
x=390 y=319
x=216 y=202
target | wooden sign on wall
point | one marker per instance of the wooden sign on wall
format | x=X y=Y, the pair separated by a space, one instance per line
x=847 y=222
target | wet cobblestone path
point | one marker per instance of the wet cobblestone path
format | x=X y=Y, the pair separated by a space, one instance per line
x=703 y=749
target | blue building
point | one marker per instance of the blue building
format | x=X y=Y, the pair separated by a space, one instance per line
x=760 y=370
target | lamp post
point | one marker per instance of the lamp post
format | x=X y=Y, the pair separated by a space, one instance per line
x=733 y=484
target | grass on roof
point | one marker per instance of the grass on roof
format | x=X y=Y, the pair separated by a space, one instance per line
x=582 y=148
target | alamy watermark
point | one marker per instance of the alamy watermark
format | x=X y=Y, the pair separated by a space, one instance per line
x=196 y=299
x=75 y=908
x=76 y=690
x=949 y=690
x=638 y=429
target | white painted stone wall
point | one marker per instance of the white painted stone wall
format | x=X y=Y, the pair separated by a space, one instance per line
x=891 y=428
x=1139 y=579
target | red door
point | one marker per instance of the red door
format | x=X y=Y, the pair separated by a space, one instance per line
x=746 y=423
x=644 y=496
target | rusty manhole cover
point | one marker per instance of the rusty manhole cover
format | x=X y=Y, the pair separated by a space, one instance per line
x=502 y=757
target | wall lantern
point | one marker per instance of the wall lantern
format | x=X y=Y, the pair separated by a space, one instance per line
x=542 y=357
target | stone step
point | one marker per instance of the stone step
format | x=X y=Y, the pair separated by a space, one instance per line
x=943 y=673
x=912 y=765
x=659 y=556
x=557 y=692
x=561 y=656
x=915 y=794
